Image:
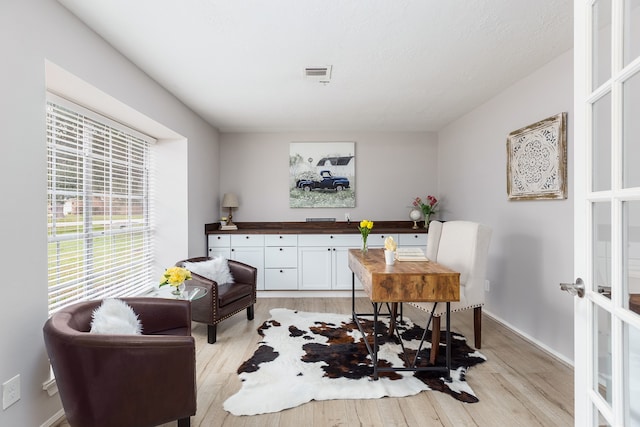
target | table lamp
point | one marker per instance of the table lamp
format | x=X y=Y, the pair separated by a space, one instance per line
x=230 y=200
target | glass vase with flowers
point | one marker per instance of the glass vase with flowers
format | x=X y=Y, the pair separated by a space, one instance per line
x=175 y=277
x=427 y=207
x=365 y=228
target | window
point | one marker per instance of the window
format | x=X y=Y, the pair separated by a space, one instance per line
x=100 y=240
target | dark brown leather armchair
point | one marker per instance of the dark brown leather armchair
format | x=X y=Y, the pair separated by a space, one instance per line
x=223 y=300
x=125 y=380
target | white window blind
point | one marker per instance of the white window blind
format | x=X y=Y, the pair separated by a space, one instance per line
x=100 y=240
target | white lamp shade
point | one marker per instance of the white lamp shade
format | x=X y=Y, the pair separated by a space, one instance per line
x=230 y=200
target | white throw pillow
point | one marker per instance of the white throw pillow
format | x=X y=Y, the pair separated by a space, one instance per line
x=216 y=269
x=115 y=317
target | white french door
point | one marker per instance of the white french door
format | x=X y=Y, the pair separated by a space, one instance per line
x=607 y=212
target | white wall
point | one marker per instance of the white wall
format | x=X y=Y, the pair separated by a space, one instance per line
x=532 y=245
x=391 y=170
x=32 y=33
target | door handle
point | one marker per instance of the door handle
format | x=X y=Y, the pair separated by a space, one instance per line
x=574 y=288
x=605 y=291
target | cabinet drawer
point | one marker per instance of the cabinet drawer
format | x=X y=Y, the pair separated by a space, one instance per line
x=219 y=240
x=418 y=239
x=280 y=278
x=377 y=240
x=330 y=240
x=247 y=240
x=281 y=257
x=281 y=240
x=217 y=252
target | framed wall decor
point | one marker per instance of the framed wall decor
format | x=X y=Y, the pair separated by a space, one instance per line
x=322 y=175
x=537 y=160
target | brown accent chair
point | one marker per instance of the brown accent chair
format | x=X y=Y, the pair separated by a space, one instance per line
x=125 y=380
x=223 y=300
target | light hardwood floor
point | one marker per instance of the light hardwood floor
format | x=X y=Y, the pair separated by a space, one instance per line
x=519 y=385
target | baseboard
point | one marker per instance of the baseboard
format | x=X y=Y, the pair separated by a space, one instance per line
x=530 y=338
x=55 y=419
x=309 y=294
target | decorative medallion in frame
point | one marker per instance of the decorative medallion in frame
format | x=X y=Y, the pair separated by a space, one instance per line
x=537 y=160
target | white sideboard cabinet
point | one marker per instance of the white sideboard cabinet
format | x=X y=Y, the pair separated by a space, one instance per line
x=300 y=259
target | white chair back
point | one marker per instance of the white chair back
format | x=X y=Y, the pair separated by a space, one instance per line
x=462 y=246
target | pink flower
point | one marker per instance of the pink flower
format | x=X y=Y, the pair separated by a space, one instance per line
x=426 y=208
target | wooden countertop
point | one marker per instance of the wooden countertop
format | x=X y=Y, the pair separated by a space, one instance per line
x=320 y=227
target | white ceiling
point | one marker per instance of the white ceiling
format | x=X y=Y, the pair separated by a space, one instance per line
x=398 y=65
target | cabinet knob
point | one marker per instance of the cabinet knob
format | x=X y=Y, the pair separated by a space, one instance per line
x=233 y=250
x=331 y=237
x=281 y=271
x=279 y=237
x=246 y=237
x=329 y=249
x=281 y=249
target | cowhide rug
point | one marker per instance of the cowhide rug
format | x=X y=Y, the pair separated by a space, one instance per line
x=322 y=356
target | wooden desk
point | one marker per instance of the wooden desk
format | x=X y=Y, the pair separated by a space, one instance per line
x=634 y=303
x=405 y=281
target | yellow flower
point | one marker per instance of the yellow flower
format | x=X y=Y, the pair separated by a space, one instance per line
x=365 y=223
x=174 y=276
x=365 y=227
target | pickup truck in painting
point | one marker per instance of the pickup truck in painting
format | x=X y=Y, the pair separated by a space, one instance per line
x=324 y=181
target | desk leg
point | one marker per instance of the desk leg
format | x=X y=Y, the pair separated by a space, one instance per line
x=448 y=376
x=353 y=295
x=375 y=341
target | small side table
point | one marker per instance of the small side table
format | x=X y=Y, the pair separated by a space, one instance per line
x=191 y=292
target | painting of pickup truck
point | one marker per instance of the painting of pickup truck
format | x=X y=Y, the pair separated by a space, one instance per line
x=324 y=181
x=321 y=175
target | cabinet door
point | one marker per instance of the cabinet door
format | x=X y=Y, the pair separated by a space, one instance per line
x=314 y=267
x=342 y=275
x=253 y=256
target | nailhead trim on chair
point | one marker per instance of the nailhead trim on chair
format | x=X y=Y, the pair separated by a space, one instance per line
x=452 y=311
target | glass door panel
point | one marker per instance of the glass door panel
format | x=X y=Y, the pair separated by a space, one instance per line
x=601 y=154
x=603 y=350
x=602 y=422
x=631 y=131
x=602 y=248
x=601 y=33
x=631 y=31
x=632 y=255
x=633 y=374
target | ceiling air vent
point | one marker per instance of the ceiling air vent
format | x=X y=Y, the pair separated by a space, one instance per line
x=319 y=74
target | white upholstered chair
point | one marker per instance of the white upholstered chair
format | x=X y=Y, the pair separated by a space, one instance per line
x=462 y=246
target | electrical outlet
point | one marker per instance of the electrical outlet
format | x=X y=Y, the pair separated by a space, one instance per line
x=10 y=392
x=347 y=217
x=487 y=286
